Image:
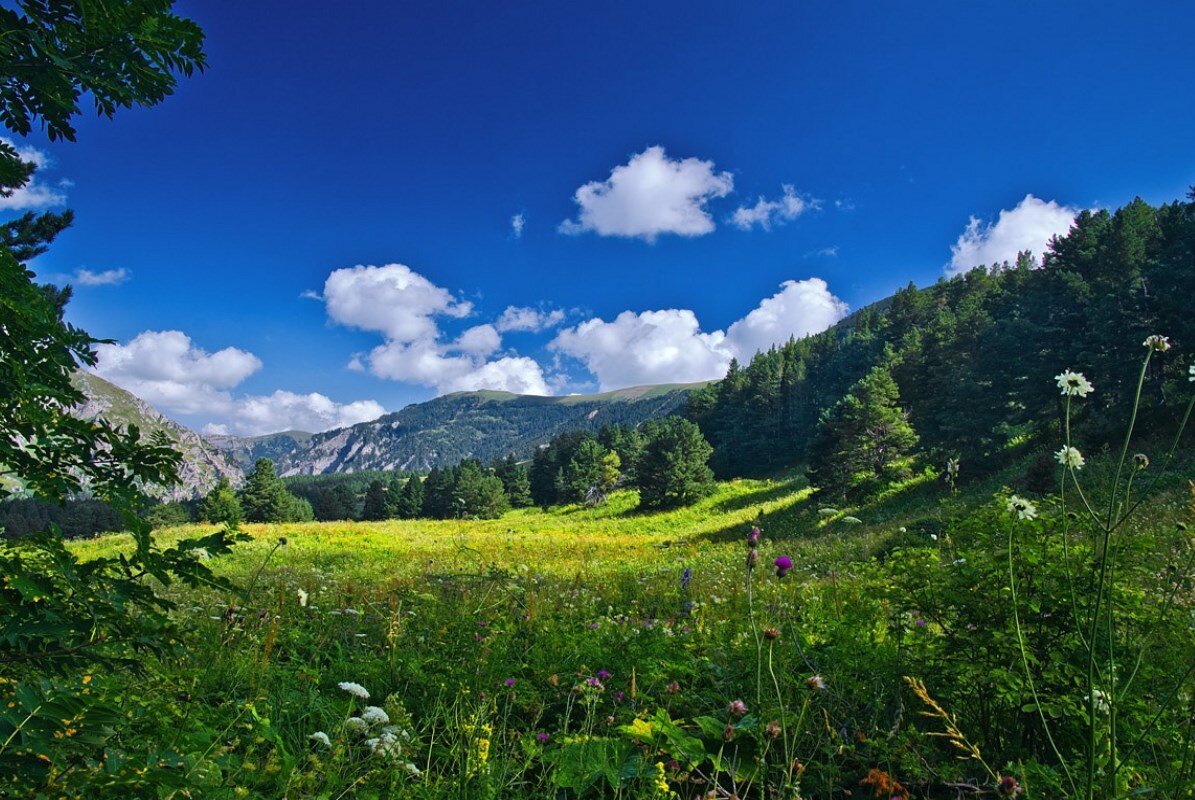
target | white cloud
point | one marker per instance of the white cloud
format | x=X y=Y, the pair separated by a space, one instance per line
x=109 y=277
x=391 y=299
x=480 y=340
x=1028 y=226
x=253 y=415
x=403 y=305
x=33 y=195
x=517 y=222
x=668 y=346
x=797 y=310
x=170 y=372
x=525 y=318
x=650 y=195
x=766 y=213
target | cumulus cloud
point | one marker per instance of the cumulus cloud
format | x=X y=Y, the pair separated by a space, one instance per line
x=650 y=195
x=516 y=225
x=170 y=372
x=668 y=346
x=392 y=299
x=1028 y=226
x=35 y=194
x=797 y=310
x=253 y=415
x=525 y=318
x=404 y=307
x=766 y=213
x=109 y=277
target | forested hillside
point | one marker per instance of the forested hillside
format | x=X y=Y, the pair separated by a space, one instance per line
x=483 y=425
x=973 y=357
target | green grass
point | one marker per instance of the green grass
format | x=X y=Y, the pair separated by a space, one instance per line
x=480 y=640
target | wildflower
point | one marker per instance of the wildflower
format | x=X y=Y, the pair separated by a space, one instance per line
x=355 y=689
x=1070 y=457
x=771 y=633
x=510 y=682
x=1159 y=344
x=752 y=558
x=728 y=732
x=1008 y=787
x=1022 y=508
x=302 y=598
x=1191 y=373
x=1100 y=700
x=385 y=746
x=773 y=730
x=321 y=738
x=659 y=780
x=1141 y=461
x=737 y=708
x=412 y=769
x=952 y=469
x=356 y=725
x=542 y=737
x=375 y=716
x=816 y=683
x=685 y=577
x=604 y=675
x=1074 y=384
x=674 y=688
x=783 y=564
x=753 y=537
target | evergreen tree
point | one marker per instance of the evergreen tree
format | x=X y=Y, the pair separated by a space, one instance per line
x=674 y=468
x=479 y=493
x=515 y=481
x=410 y=499
x=583 y=474
x=264 y=497
x=863 y=438
x=438 y=494
x=221 y=506
x=376 y=503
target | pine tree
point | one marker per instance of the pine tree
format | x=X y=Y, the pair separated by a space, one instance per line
x=674 y=469
x=410 y=499
x=264 y=497
x=375 y=507
x=515 y=481
x=437 y=494
x=221 y=506
x=479 y=493
x=583 y=474
x=863 y=438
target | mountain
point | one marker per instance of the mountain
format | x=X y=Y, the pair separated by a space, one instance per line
x=202 y=464
x=245 y=450
x=483 y=425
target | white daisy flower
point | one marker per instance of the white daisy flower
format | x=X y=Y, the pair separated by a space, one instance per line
x=1074 y=384
x=1070 y=457
x=1022 y=508
x=355 y=689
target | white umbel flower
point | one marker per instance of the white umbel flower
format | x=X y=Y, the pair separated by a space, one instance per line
x=1159 y=344
x=375 y=716
x=1074 y=384
x=355 y=689
x=1070 y=457
x=1191 y=373
x=356 y=725
x=303 y=598
x=1022 y=508
x=321 y=738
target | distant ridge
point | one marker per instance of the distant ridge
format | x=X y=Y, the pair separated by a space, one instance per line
x=483 y=424
x=202 y=465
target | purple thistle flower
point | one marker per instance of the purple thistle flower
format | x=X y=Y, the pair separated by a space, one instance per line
x=510 y=681
x=542 y=737
x=753 y=537
x=603 y=674
x=783 y=565
x=752 y=558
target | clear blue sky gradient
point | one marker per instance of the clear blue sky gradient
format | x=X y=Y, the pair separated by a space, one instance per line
x=325 y=135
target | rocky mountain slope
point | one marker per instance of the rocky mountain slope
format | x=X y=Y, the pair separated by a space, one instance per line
x=483 y=425
x=245 y=450
x=202 y=465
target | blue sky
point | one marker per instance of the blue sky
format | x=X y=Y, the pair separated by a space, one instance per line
x=330 y=135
